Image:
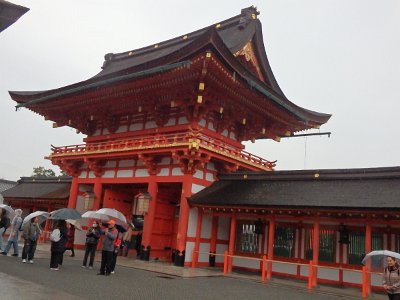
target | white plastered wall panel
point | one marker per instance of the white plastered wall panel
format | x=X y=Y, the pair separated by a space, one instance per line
x=206 y=227
x=246 y=263
x=192 y=224
x=189 y=251
x=204 y=249
x=221 y=248
x=223 y=228
x=124 y=173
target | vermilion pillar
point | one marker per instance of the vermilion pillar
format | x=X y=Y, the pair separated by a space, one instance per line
x=270 y=250
x=73 y=194
x=232 y=236
x=315 y=251
x=195 y=257
x=98 y=191
x=149 y=219
x=213 y=241
x=179 y=258
x=368 y=249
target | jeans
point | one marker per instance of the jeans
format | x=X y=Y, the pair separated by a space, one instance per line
x=394 y=296
x=90 y=249
x=12 y=241
x=1 y=237
x=29 y=249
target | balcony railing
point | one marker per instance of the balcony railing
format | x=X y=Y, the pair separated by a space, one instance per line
x=163 y=141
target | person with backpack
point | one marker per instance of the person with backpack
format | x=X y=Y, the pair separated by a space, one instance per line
x=13 y=237
x=4 y=223
x=110 y=234
x=30 y=234
x=391 y=279
x=58 y=238
x=92 y=238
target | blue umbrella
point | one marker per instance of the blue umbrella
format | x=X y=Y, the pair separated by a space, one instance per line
x=65 y=213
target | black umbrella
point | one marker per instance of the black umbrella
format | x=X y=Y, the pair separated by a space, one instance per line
x=65 y=213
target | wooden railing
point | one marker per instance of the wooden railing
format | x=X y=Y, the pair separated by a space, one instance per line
x=164 y=141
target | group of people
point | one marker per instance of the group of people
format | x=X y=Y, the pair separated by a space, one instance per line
x=62 y=239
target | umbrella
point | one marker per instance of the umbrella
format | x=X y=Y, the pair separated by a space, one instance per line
x=377 y=259
x=7 y=208
x=42 y=216
x=75 y=223
x=64 y=214
x=90 y=214
x=112 y=213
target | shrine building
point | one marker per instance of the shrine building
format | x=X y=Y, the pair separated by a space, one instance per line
x=162 y=121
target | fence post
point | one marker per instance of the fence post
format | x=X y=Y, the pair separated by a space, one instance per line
x=226 y=262
x=194 y=259
x=310 y=275
x=364 y=282
x=263 y=263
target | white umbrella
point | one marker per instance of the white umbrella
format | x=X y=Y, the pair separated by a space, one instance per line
x=42 y=216
x=75 y=223
x=91 y=214
x=377 y=259
x=112 y=213
x=7 y=208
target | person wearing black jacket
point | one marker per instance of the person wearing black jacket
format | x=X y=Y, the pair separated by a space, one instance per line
x=57 y=247
x=4 y=223
x=92 y=238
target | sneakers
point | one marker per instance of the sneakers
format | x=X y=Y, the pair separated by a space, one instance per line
x=31 y=261
x=83 y=267
x=15 y=255
x=24 y=260
x=54 y=269
x=90 y=268
x=113 y=272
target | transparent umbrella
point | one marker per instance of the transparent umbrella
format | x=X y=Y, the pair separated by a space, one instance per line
x=376 y=260
x=113 y=214
x=41 y=215
x=65 y=214
x=8 y=209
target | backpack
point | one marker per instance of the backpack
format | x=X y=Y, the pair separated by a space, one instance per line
x=117 y=241
x=55 y=235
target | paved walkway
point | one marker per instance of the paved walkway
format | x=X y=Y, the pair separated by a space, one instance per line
x=168 y=270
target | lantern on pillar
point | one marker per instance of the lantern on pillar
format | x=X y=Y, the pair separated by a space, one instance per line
x=88 y=200
x=143 y=203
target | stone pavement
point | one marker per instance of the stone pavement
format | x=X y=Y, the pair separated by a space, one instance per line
x=169 y=271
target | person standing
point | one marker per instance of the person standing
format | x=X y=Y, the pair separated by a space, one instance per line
x=92 y=238
x=110 y=234
x=4 y=223
x=58 y=238
x=31 y=232
x=71 y=239
x=128 y=239
x=391 y=279
x=117 y=248
x=13 y=238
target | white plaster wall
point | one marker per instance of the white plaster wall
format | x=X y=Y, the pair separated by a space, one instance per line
x=142 y=173
x=223 y=228
x=136 y=126
x=165 y=161
x=171 y=122
x=150 y=124
x=246 y=263
x=225 y=133
x=80 y=237
x=83 y=174
x=204 y=249
x=189 y=251
x=177 y=172
x=183 y=120
x=192 y=222
x=196 y=188
x=210 y=177
x=284 y=268
x=330 y=274
x=352 y=277
x=211 y=166
x=206 y=227
x=304 y=270
x=91 y=174
x=80 y=204
x=163 y=172
x=221 y=248
x=123 y=128
x=199 y=174
x=124 y=173
x=108 y=174
x=211 y=126
x=111 y=164
x=202 y=123
x=126 y=163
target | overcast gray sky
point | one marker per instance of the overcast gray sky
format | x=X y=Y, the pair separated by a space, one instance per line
x=339 y=57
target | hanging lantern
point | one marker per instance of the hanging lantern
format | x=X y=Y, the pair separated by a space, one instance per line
x=89 y=200
x=143 y=203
